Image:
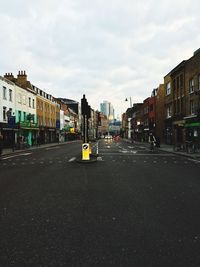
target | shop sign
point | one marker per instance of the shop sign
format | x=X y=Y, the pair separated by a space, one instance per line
x=192 y=124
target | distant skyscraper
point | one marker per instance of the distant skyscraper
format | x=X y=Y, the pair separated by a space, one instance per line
x=107 y=109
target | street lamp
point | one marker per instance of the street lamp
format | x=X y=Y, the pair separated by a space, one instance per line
x=130 y=101
x=129 y=120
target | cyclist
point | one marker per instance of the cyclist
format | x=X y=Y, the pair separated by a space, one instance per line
x=152 y=141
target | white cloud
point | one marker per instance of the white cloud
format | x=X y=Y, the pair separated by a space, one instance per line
x=108 y=50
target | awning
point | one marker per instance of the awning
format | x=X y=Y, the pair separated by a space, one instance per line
x=192 y=124
x=29 y=128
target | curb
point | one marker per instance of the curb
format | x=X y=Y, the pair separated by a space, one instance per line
x=191 y=156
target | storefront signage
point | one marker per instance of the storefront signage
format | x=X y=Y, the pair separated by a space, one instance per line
x=192 y=124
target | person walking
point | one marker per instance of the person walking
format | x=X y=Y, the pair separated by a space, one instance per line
x=1 y=145
x=152 y=141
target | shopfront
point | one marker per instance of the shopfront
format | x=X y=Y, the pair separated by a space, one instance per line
x=192 y=129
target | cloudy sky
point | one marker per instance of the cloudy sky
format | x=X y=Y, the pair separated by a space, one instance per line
x=106 y=49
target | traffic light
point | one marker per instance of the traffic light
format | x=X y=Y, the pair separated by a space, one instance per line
x=88 y=112
x=84 y=106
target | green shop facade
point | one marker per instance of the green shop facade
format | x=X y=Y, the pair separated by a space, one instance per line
x=27 y=128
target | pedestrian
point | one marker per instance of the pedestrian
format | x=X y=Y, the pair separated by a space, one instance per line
x=152 y=141
x=1 y=145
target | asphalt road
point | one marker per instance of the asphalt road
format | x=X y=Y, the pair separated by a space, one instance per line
x=130 y=208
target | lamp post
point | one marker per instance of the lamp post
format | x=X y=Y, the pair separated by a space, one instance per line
x=130 y=101
x=129 y=119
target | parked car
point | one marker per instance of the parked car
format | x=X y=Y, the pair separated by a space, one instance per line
x=108 y=137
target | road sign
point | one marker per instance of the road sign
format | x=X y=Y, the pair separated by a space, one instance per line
x=85 y=151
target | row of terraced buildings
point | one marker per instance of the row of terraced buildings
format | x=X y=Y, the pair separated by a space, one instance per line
x=172 y=112
x=30 y=115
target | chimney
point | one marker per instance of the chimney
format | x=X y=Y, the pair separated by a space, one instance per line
x=9 y=76
x=22 y=78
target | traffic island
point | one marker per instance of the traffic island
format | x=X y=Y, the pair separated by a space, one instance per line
x=92 y=159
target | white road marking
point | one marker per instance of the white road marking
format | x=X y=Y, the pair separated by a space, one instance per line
x=97 y=148
x=124 y=151
x=72 y=159
x=99 y=159
x=17 y=155
x=194 y=160
x=49 y=148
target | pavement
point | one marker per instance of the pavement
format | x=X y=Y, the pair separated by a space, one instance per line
x=170 y=149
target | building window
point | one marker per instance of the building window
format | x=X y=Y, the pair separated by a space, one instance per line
x=192 y=107
x=181 y=80
x=10 y=95
x=4 y=93
x=20 y=115
x=168 y=88
x=33 y=103
x=29 y=102
x=19 y=98
x=4 y=113
x=199 y=82
x=169 y=111
x=24 y=100
x=191 y=86
x=24 y=116
x=177 y=82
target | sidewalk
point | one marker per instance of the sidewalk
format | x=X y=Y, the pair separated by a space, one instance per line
x=8 y=151
x=170 y=149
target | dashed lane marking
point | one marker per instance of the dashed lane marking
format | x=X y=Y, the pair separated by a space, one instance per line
x=133 y=151
x=194 y=160
x=72 y=159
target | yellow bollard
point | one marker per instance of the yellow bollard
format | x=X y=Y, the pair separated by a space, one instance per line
x=85 y=151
